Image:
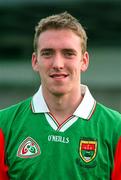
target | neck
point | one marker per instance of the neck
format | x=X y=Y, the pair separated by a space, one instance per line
x=62 y=107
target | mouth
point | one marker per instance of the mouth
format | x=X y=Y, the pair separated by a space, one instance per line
x=59 y=75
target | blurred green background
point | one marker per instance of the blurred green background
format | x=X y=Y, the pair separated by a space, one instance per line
x=102 y=21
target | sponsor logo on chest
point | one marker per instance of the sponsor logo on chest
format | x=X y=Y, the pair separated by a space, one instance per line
x=28 y=148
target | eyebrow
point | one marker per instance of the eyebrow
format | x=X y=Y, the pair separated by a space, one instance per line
x=46 y=49
x=68 y=49
x=51 y=49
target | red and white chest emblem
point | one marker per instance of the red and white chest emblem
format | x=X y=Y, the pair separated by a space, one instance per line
x=88 y=150
x=28 y=148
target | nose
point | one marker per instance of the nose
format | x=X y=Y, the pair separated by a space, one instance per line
x=58 y=62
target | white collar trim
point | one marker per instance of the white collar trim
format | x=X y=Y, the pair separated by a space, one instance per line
x=38 y=103
x=84 y=110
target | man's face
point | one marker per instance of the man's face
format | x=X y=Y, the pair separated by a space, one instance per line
x=59 y=61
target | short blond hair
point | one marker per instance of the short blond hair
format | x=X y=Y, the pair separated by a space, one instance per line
x=61 y=21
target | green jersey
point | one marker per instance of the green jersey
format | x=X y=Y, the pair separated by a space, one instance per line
x=85 y=146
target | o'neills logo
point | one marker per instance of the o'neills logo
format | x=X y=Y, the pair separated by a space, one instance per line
x=28 y=148
x=88 y=150
x=61 y=139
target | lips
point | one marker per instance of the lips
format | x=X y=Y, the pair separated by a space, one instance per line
x=58 y=75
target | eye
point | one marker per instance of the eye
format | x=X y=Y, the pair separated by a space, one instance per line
x=69 y=53
x=46 y=53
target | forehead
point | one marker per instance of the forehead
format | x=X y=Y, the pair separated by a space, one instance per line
x=58 y=38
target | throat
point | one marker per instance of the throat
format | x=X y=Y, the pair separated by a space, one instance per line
x=62 y=108
x=60 y=118
x=62 y=125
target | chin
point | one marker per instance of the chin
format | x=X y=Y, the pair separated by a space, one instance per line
x=59 y=92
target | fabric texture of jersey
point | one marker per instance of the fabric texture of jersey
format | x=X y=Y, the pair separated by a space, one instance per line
x=86 y=146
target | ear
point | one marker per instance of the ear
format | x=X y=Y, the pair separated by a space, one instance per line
x=34 y=62
x=85 y=61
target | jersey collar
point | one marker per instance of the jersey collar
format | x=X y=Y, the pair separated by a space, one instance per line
x=84 y=110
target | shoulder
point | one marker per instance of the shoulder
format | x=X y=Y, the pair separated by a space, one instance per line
x=109 y=124
x=8 y=114
x=108 y=116
x=15 y=107
x=108 y=112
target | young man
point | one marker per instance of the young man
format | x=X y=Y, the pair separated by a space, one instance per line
x=61 y=133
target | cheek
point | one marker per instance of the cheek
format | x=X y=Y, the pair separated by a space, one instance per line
x=43 y=70
x=77 y=68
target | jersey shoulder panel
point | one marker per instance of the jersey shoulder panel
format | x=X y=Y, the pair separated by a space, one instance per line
x=8 y=115
x=108 y=114
x=109 y=120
